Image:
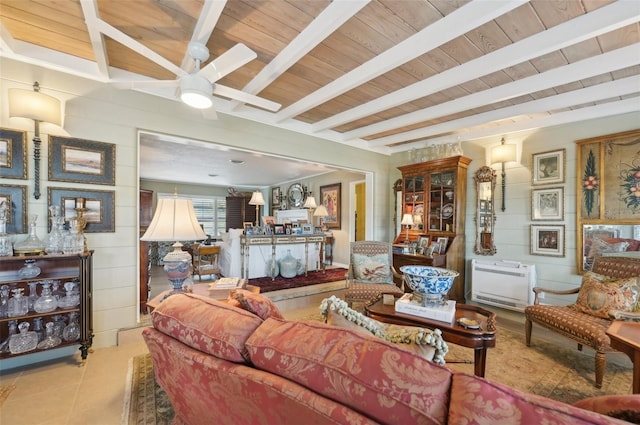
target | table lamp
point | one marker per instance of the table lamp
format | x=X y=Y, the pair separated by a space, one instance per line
x=173 y=221
x=321 y=211
x=257 y=199
x=407 y=220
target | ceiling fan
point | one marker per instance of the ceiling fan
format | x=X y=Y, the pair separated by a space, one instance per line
x=196 y=87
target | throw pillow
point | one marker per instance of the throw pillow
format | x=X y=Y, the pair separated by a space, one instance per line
x=425 y=343
x=599 y=295
x=372 y=268
x=257 y=304
x=599 y=247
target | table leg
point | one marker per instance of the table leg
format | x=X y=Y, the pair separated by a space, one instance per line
x=479 y=360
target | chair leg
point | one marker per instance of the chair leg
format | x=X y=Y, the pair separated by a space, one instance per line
x=527 y=331
x=601 y=364
x=579 y=347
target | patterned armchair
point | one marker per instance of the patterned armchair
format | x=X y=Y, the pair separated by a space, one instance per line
x=371 y=272
x=573 y=322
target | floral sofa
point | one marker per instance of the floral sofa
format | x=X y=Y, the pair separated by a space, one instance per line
x=240 y=362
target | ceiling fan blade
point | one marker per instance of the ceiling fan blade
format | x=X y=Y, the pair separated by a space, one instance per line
x=228 y=62
x=144 y=83
x=225 y=91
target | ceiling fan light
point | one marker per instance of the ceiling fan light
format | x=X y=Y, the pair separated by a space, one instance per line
x=195 y=91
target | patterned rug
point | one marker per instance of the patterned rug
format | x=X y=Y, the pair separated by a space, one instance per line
x=544 y=368
x=266 y=284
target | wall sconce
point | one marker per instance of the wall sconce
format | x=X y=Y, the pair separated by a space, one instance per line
x=38 y=107
x=173 y=221
x=407 y=220
x=499 y=155
x=257 y=199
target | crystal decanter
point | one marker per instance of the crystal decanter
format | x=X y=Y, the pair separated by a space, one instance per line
x=18 y=304
x=55 y=242
x=4 y=301
x=46 y=302
x=13 y=329
x=50 y=340
x=6 y=249
x=24 y=341
x=32 y=245
x=33 y=295
x=29 y=270
x=72 y=330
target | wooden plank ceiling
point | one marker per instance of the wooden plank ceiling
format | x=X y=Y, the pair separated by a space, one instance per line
x=385 y=75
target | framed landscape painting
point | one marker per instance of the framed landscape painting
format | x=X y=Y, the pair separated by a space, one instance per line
x=99 y=204
x=81 y=161
x=13 y=154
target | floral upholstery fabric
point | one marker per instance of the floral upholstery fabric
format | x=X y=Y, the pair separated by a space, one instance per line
x=598 y=247
x=477 y=401
x=221 y=331
x=371 y=268
x=367 y=374
x=206 y=390
x=599 y=295
x=257 y=304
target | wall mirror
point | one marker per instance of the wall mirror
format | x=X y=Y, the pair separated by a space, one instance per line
x=296 y=195
x=485 y=218
x=608 y=207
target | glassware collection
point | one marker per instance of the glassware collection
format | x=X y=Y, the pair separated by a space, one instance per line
x=431 y=152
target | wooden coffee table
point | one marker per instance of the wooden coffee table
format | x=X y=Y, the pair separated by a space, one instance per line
x=478 y=339
x=625 y=337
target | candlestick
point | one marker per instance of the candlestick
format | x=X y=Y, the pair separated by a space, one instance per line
x=80 y=202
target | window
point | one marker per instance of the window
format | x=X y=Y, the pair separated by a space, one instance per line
x=211 y=212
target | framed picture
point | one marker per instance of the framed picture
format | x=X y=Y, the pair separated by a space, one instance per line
x=307 y=229
x=99 y=204
x=278 y=229
x=16 y=201
x=547 y=240
x=442 y=242
x=275 y=196
x=81 y=161
x=331 y=198
x=423 y=242
x=13 y=154
x=248 y=227
x=548 y=167
x=547 y=204
x=268 y=220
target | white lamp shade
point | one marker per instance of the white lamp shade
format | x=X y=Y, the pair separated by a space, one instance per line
x=503 y=153
x=417 y=219
x=256 y=198
x=174 y=220
x=195 y=91
x=321 y=211
x=310 y=202
x=407 y=220
x=34 y=105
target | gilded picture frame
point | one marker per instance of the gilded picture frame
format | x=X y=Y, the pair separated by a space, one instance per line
x=331 y=198
x=13 y=154
x=16 y=198
x=100 y=205
x=547 y=240
x=81 y=161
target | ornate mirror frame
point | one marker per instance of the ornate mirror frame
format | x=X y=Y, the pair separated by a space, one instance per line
x=296 y=195
x=608 y=204
x=485 y=217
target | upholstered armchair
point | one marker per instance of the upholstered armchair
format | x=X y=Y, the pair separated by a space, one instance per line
x=610 y=291
x=371 y=272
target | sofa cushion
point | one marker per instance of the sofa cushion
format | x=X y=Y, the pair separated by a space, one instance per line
x=205 y=324
x=599 y=295
x=475 y=400
x=370 y=375
x=254 y=303
x=372 y=268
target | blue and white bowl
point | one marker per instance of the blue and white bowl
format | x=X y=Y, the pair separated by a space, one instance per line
x=428 y=281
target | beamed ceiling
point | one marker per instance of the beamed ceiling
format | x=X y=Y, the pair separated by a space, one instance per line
x=383 y=75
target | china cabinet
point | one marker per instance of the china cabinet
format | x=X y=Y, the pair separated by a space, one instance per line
x=434 y=193
x=71 y=313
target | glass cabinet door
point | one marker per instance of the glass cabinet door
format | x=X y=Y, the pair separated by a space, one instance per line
x=414 y=200
x=442 y=201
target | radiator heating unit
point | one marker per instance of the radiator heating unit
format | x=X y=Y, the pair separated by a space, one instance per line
x=506 y=284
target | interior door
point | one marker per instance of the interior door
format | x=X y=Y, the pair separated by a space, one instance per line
x=361 y=209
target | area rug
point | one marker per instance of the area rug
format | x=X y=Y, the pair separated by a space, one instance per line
x=266 y=284
x=544 y=368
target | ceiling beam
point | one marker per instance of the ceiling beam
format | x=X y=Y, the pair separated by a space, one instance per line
x=329 y=20
x=586 y=68
x=457 y=23
x=90 y=12
x=600 y=21
x=207 y=21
